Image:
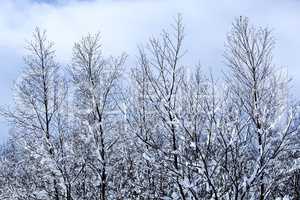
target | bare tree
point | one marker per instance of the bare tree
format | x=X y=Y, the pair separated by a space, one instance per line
x=39 y=95
x=170 y=131
x=95 y=78
x=262 y=93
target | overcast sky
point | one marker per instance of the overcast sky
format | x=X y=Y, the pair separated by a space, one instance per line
x=124 y=24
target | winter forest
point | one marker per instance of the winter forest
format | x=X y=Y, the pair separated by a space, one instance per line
x=157 y=129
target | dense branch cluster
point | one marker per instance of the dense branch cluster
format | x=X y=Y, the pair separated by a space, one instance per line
x=162 y=131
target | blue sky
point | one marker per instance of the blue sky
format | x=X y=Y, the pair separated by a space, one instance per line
x=124 y=24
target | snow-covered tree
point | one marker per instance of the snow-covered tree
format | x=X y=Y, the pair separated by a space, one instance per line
x=40 y=92
x=159 y=130
x=95 y=78
x=260 y=90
